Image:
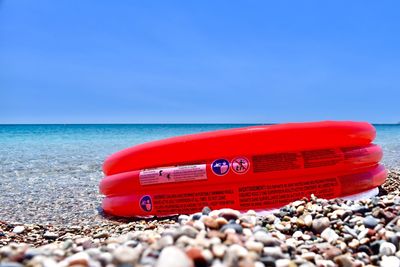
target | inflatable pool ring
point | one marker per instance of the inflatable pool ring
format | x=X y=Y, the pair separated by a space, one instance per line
x=258 y=167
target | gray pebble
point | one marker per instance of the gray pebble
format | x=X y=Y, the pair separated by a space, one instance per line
x=237 y=227
x=370 y=222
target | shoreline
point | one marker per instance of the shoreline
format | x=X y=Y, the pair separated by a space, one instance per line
x=314 y=232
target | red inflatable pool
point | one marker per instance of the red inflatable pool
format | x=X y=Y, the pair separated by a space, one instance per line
x=259 y=167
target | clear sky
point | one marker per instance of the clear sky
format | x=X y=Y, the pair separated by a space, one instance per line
x=72 y=61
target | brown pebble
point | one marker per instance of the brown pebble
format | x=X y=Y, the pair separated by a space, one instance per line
x=344 y=261
x=211 y=223
x=197 y=257
x=332 y=252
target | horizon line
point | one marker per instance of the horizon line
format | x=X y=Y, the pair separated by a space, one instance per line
x=172 y=123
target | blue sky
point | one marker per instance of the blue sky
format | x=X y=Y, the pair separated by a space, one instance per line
x=199 y=61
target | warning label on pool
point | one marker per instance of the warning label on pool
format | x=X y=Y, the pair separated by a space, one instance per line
x=193 y=201
x=173 y=174
x=273 y=195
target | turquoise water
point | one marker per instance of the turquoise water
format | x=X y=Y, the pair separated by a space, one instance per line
x=50 y=173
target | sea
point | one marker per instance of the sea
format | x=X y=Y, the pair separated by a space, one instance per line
x=50 y=173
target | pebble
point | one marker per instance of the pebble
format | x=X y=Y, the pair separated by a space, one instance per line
x=211 y=223
x=390 y=261
x=254 y=246
x=126 y=255
x=50 y=235
x=329 y=235
x=275 y=252
x=234 y=226
x=370 y=222
x=320 y=224
x=308 y=220
x=387 y=249
x=173 y=257
x=332 y=252
x=218 y=250
x=18 y=229
x=344 y=261
x=266 y=239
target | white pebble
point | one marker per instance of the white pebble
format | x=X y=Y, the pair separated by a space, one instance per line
x=18 y=229
x=390 y=261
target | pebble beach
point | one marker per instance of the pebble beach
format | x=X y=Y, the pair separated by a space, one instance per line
x=307 y=232
x=50 y=211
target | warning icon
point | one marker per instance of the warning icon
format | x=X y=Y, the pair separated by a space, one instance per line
x=220 y=167
x=240 y=165
x=146 y=203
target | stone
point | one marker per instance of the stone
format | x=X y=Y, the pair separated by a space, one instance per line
x=218 y=250
x=370 y=222
x=173 y=257
x=211 y=223
x=199 y=225
x=11 y=264
x=229 y=214
x=266 y=239
x=236 y=227
x=308 y=256
x=285 y=263
x=102 y=234
x=165 y=241
x=126 y=255
x=189 y=231
x=308 y=220
x=275 y=252
x=332 y=252
x=254 y=246
x=197 y=257
x=390 y=261
x=375 y=246
x=329 y=235
x=18 y=229
x=365 y=249
x=320 y=224
x=234 y=253
x=387 y=249
x=221 y=221
x=344 y=261
x=206 y=211
x=268 y=261
x=50 y=235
